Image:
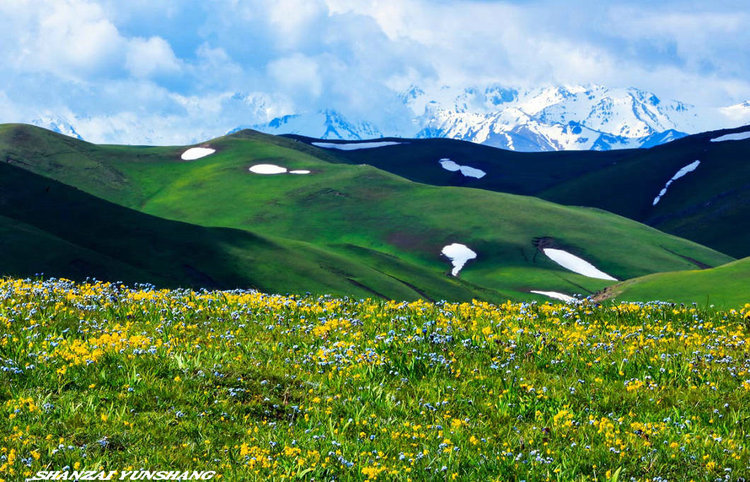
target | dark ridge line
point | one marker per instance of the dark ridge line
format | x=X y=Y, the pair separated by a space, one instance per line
x=367 y=288
x=417 y=290
x=688 y=258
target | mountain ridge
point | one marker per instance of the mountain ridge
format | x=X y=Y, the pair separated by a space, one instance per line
x=546 y=119
x=550 y=118
x=709 y=206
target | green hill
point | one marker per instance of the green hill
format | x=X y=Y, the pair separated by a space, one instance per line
x=726 y=286
x=51 y=228
x=383 y=232
x=709 y=206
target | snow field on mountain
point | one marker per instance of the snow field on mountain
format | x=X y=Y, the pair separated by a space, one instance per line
x=274 y=169
x=196 y=153
x=268 y=169
x=689 y=168
x=555 y=295
x=576 y=264
x=467 y=171
x=738 y=136
x=459 y=254
x=355 y=145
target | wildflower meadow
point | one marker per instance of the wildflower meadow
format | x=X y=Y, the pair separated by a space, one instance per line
x=101 y=376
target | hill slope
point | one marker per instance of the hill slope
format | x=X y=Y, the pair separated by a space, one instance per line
x=709 y=205
x=727 y=286
x=51 y=228
x=372 y=219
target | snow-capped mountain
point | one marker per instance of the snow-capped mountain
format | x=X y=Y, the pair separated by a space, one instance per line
x=738 y=113
x=542 y=119
x=324 y=124
x=56 y=124
x=552 y=118
x=555 y=118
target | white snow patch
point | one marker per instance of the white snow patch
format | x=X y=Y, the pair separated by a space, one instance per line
x=459 y=254
x=353 y=146
x=196 y=153
x=738 y=136
x=268 y=169
x=689 y=168
x=576 y=264
x=467 y=171
x=299 y=171
x=555 y=295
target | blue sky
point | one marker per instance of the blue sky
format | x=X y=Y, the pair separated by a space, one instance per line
x=171 y=72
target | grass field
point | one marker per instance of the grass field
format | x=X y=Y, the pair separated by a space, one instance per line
x=259 y=387
x=726 y=286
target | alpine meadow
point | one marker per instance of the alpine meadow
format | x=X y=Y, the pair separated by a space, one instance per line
x=395 y=240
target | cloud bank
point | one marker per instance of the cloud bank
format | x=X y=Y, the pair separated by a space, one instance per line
x=175 y=72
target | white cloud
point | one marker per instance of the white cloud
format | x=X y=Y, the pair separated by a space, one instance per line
x=75 y=39
x=290 y=19
x=738 y=114
x=69 y=38
x=148 y=57
x=297 y=74
x=197 y=67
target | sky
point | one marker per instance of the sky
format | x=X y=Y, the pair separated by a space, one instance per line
x=166 y=72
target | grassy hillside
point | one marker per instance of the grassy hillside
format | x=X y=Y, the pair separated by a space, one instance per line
x=709 y=206
x=506 y=171
x=259 y=387
x=727 y=286
x=366 y=216
x=48 y=227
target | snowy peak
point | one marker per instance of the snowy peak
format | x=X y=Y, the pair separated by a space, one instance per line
x=556 y=118
x=56 y=124
x=739 y=114
x=551 y=118
x=324 y=124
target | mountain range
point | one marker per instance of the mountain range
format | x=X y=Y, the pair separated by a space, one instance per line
x=551 y=118
x=545 y=119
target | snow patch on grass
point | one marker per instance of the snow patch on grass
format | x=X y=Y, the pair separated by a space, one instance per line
x=555 y=295
x=737 y=136
x=268 y=169
x=353 y=146
x=467 y=171
x=576 y=264
x=196 y=153
x=459 y=254
x=689 y=168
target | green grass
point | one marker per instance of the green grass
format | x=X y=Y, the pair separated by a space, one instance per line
x=48 y=227
x=259 y=387
x=708 y=206
x=383 y=224
x=725 y=286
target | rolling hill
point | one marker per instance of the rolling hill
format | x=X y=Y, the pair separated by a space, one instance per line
x=725 y=286
x=340 y=226
x=709 y=204
x=51 y=228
